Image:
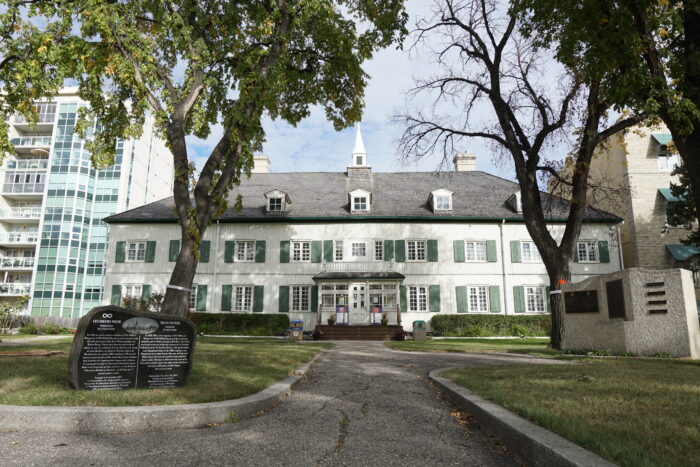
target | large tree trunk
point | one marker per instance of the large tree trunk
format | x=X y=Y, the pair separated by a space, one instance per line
x=176 y=300
x=559 y=274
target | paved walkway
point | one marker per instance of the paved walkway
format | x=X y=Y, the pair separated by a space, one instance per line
x=362 y=404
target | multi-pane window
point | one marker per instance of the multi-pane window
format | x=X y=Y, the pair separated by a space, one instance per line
x=667 y=160
x=418 y=298
x=478 y=298
x=378 y=250
x=359 y=203
x=475 y=251
x=301 y=251
x=192 y=298
x=338 y=251
x=243 y=298
x=133 y=290
x=443 y=203
x=530 y=252
x=534 y=300
x=136 y=251
x=245 y=251
x=587 y=252
x=274 y=204
x=300 y=298
x=415 y=250
x=359 y=250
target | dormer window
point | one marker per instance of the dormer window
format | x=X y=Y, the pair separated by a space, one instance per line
x=277 y=201
x=441 y=200
x=360 y=200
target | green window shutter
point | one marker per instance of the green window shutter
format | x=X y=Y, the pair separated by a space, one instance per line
x=603 y=251
x=260 y=246
x=258 y=298
x=515 y=251
x=201 y=304
x=284 y=253
x=548 y=298
x=403 y=292
x=150 y=252
x=229 y=251
x=328 y=251
x=145 y=291
x=519 y=299
x=284 y=298
x=226 y=292
x=491 y=255
x=316 y=251
x=388 y=250
x=174 y=250
x=575 y=258
x=314 y=298
x=432 y=251
x=458 y=247
x=204 y=249
x=434 y=298
x=461 y=291
x=116 y=295
x=120 y=253
x=400 y=251
x=494 y=299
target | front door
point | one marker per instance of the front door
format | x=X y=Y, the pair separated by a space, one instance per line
x=359 y=308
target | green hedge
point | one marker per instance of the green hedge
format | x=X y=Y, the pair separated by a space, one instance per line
x=245 y=324
x=490 y=325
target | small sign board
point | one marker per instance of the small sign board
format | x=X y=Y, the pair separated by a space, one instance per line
x=116 y=348
x=584 y=301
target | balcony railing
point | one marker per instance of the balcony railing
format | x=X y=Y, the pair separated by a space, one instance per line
x=16 y=262
x=23 y=188
x=32 y=141
x=46 y=113
x=19 y=237
x=357 y=266
x=28 y=164
x=21 y=213
x=14 y=288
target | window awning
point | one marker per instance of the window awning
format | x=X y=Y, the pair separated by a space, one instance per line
x=359 y=275
x=682 y=252
x=666 y=193
x=662 y=138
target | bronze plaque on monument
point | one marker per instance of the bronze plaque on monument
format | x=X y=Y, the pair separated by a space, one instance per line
x=585 y=301
x=116 y=348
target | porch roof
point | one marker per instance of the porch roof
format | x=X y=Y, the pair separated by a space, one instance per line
x=359 y=275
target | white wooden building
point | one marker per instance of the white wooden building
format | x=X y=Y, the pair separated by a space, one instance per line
x=304 y=243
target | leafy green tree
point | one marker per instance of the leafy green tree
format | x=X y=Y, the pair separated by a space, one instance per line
x=195 y=64
x=648 y=51
x=682 y=211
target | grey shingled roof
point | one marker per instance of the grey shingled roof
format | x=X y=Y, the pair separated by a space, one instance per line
x=324 y=195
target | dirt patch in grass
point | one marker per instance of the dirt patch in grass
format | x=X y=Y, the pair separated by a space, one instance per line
x=634 y=412
x=531 y=346
x=223 y=369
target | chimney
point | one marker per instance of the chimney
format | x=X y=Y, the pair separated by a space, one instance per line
x=261 y=165
x=464 y=162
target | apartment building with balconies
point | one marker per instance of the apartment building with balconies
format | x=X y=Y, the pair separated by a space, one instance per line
x=52 y=202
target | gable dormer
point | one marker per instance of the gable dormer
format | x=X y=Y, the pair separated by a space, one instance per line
x=360 y=200
x=276 y=201
x=515 y=202
x=440 y=200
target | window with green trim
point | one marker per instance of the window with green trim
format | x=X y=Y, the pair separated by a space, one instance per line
x=418 y=298
x=474 y=252
x=415 y=250
x=478 y=296
x=535 y=299
x=301 y=251
x=136 y=252
x=301 y=297
x=242 y=298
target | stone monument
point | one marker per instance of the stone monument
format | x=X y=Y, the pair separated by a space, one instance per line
x=116 y=348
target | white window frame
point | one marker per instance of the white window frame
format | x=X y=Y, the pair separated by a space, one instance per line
x=296 y=298
x=140 y=251
x=242 y=298
x=192 y=297
x=357 y=203
x=338 y=250
x=247 y=255
x=475 y=291
x=304 y=251
x=416 y=251
x=275 y=199
x=132 y=291
x=476 y=251
x=666 y=160
x=532 y=290
x=589 y=246
x=443 y=207
x=354 y=256
x=533 y=255
x=379 y=250
x=418 y=298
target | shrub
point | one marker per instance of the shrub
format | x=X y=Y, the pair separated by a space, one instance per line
x=490 y=325
x=242 y=324
x=49 y=328
x=29 y=328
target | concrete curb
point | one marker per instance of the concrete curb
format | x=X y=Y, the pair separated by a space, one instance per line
x=134 y=419
x=534 y=444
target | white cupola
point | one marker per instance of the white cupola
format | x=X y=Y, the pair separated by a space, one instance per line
x=359 y=168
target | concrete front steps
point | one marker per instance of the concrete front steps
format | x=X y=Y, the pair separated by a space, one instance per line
x=344 y=332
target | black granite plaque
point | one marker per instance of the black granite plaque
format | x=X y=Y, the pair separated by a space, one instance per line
x=616 y=299
x=585 y=301
x=116 y=348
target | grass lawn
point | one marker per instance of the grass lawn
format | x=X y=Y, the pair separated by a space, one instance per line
x=223 y=369
x=524 y=346
x=634 y=412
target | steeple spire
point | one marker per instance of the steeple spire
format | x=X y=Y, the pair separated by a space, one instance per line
x=359 y=155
